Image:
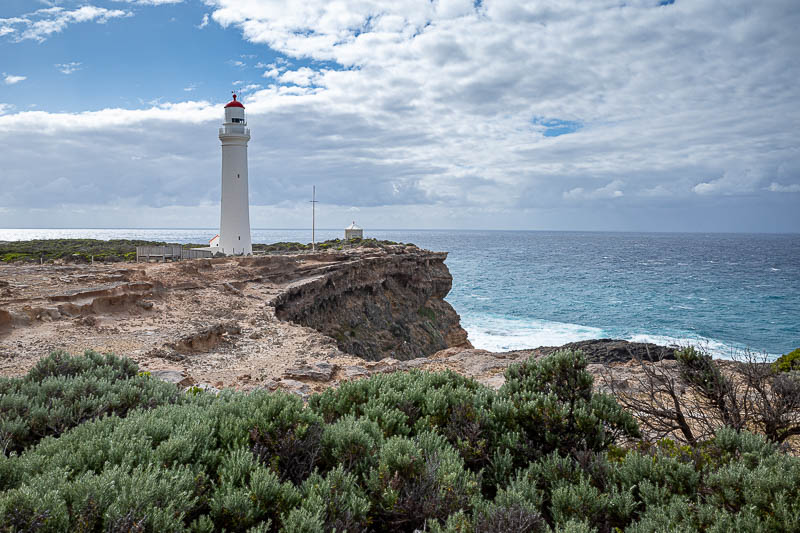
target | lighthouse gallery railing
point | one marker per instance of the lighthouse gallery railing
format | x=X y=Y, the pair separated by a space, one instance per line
x=234 y=130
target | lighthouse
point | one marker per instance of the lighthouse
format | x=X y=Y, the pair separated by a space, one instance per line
x=234 y=223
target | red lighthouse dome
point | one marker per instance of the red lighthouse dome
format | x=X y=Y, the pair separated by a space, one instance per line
x=234 y=103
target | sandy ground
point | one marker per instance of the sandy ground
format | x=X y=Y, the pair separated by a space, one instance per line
x=211 y=319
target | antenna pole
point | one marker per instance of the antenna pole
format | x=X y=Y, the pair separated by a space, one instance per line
x=313 y=218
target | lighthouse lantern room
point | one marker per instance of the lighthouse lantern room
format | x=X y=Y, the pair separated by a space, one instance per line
x=234 y=225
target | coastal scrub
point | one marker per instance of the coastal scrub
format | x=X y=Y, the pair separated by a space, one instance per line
x=394 y=452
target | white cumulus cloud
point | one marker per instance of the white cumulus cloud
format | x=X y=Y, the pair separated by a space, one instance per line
x=303 y=76
x=151 y=2
x=69 y=68
x=249 y=88
x=611 y=190
x=11 y=79
x=41 y=24
x=735 y=181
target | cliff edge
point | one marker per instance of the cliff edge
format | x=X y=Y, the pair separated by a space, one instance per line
x=300 y=322
x=234 y=321
x=379 y=304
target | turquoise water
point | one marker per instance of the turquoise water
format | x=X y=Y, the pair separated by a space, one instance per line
x=525 y=289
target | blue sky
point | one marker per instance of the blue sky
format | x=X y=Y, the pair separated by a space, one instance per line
x=549 y=114
x=154 y=54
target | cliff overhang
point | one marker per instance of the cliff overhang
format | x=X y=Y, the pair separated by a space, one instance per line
x=379 y=305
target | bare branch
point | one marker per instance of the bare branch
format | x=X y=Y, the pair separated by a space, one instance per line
x=691 y=399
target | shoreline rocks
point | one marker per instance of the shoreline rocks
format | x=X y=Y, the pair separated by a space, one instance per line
x=615 y=350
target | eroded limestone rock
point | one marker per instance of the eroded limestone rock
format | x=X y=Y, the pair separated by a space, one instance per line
x=379 y=305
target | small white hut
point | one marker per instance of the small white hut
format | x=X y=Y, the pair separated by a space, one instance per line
x=353 y=232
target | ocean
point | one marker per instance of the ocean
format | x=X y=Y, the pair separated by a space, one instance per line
x=523 y=289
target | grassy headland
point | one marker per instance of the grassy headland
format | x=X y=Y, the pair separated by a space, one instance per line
x=115 y=250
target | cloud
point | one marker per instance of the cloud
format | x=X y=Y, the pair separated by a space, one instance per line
x=274 y=69
x=736 y=181
x=657 y=191
x=777 y=187
x=303 y=76
x=11 y=79
x=5 y=108
x=151 y=2
x=250 y=88
x=69 y=68
x=204 y=22
x=97 y=121
x=612 y=190
x=237 y=63
x=41 y=24
x=628 y=78
x=498 y=107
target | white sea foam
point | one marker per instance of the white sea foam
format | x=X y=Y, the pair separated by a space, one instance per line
x=718 y=349
x=504 y=334
x=714 y=347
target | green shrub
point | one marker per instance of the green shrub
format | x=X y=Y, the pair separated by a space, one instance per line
x=249 y=494
x=334 y=502
x=62 y=391
x=90 y=364
x=788 y=362
x=517 y=517
x=350 y=443
x=548 y=405
x=402 y=452
x=12 y=257
x=287 y=438
x=80 y=250
x=417 y=479
x=405 y=392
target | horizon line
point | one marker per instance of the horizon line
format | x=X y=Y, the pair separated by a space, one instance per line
x=720 y=232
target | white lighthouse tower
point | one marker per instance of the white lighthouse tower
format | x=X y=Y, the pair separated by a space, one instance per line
x=234 y=224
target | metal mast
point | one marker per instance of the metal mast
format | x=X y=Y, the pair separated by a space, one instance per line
x=313 y=217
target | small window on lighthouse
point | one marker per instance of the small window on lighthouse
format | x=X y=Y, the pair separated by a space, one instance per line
x=238 y=176
x=240 y=237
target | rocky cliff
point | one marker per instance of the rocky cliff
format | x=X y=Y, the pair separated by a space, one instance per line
x=380 y=305
x=297 y=322
x=237 y=321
